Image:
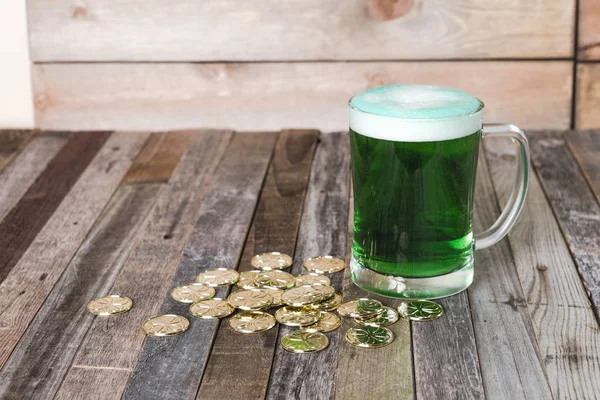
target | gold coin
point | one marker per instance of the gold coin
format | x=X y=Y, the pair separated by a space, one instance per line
x=110 y=305
x=276 y=279
x=327 y=323
x=362 y=308
x=304 y=342
x=276 y=295
x=330 y=304
x=301 y=295
x=247 y=280
x=252 y=322
x=166 y=325
x=326 y=292
x=218 y=277
x=324 y=264
x=420 y=310
x=388 y=317
x=250 y=299
x=273 y=260
x=297 y=316
x=192 y=293
x=312 y=279
x=369 y=336
x=211 y=309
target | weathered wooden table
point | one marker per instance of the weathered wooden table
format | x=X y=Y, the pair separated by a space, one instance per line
x=88 y=214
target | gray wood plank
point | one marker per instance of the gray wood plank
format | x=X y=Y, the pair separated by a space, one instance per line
x=585 y=146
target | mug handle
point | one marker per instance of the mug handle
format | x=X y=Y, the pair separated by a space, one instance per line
x=513 y=207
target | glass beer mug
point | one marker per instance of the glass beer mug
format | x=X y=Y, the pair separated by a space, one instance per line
x=414 y=158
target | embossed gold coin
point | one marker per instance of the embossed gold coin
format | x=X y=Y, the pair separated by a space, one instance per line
x=211 y=309
x=276 y=279
x=272 y=260
x=247 y=280
x=166 y=325
x=362 y=308
x=327 y=323
x=324 y=264
x=250 y=299
x=252 y=322
x=110 y=305
x=312 y=279
x=420 y=310
x=218 y=277
x=297 y=316
x=326 y=292
x=369 y=336
x=276 y=295
x=304 y=342
x=330 y=304
x=192 y=293
x=388 y=317
x=301 y=295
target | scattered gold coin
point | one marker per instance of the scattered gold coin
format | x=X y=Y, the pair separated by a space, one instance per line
x=166 y=325
x=247 y=280
x=192 y=293
x=250 y=299
x=272 y=260
x=252 y=322
x=327 y=323
x=276 y=295
x=326 y=292
x=297 y=316
x=301 y=295
x=218 y=277
x=369 y=336
x=304 y=342
x=420 y=310
x=312 y=279
x=388 y=317
x=211 y=309
x=276 y=279
x=110 y=305
x=329 y=305
x=362 y=308
x=324 y=264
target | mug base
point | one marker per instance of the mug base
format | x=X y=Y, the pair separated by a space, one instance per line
x=412 y=288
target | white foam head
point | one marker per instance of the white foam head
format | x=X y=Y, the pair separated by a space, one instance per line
x=415 y=113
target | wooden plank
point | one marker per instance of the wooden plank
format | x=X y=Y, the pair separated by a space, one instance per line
x=587 y=100
x=585 y=146
x=11 y=142
x=44 y=354
x=322 y=231
x=511 y=365
x=258 y=30
x=303 y=95
x=113 y=345
x=588 y=32
x=574 y=205
x=26 y=287
x=563 y=321
x=22 y=224
x=241 y=364
x=173 y=368
x=27 y=166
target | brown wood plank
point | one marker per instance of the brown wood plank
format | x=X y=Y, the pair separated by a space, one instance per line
x=574 y=205
x=22 y=224
x=113 y=345
x=44 y=354
x=174 y=367
x=119 y=95
x=563 y=321
x=587 y=97
x=159 y=157
x=31 y=280
x=510 y=361
x=27 y=166
x=588 y=42
x=241 y=364
x=11 y=142
x=585 y=146
x=322 y=231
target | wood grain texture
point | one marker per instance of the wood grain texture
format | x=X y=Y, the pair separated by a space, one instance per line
x=587 y=97
x=44 y=354
x=27 y=166
x=113 y=344
x=269 y=96
x=574 y=205
x=564 y=323
x=510 y=360
x=173 y=368
x=585 y=146
x=22 y=224
x=241 y=364
x=31 y=280
x=11 y=142
x=258 y=30
x=322 y=232
x=588 y=42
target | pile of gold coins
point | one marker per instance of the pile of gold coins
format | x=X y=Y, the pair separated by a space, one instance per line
x=305 y=301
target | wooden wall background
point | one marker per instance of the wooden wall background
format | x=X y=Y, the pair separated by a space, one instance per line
x=268 y=64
